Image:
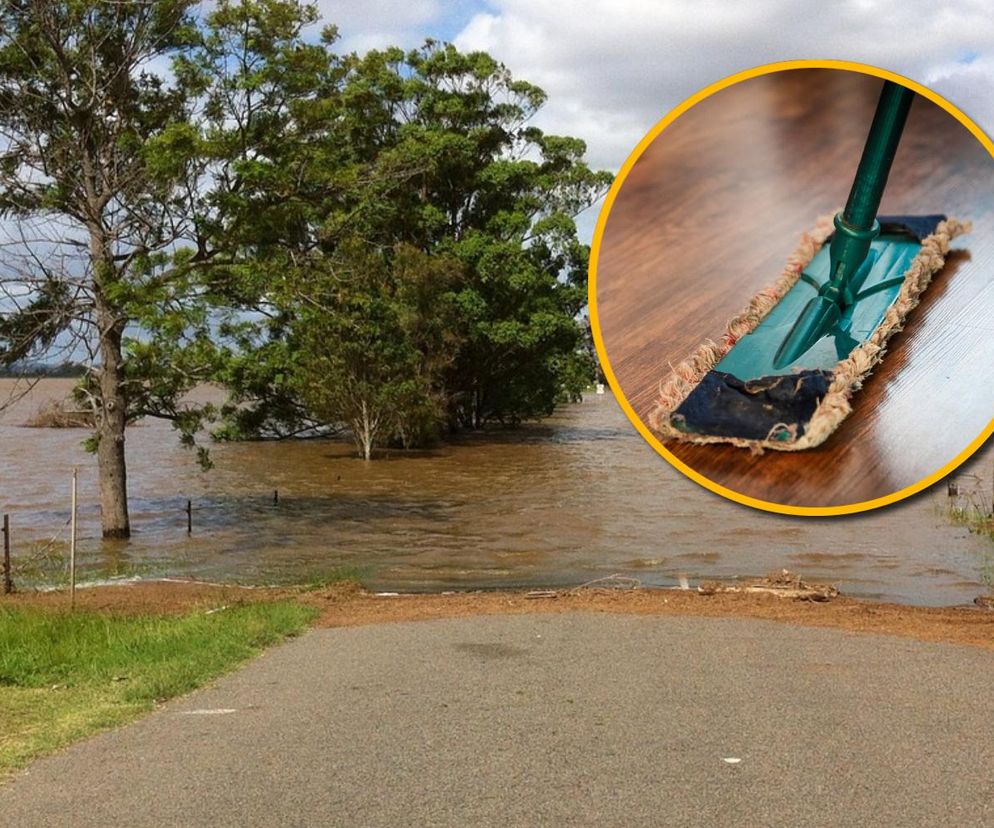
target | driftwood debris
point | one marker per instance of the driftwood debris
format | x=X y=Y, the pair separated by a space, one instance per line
x=614 y=583
x=783 y=584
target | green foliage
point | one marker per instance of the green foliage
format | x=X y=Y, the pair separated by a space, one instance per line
x=103 y=159
x=373 y=339
x=72 y=92
x=144 y=187
x=429 y=151
x=324 y=234
x=486 y=187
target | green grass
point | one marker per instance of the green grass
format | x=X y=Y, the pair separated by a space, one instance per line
x=339 y=575
x=976 y=518
x=979 y=519
x=64 y=676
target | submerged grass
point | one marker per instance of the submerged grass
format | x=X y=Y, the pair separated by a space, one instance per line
x=66 y=675
x=977 y=515
x=340 y=575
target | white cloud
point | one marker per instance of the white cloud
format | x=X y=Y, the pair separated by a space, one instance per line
x=374 y=24
x=968 y=85
x=380 y=14
x=613 y=68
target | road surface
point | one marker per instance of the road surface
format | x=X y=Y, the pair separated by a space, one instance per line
x=576 y=719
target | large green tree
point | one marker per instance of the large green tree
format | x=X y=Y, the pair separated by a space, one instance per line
x=120 y=193
x=221 y=197
x=93 y=198
x=276 y=161
x=486 y=186
x=431 y=149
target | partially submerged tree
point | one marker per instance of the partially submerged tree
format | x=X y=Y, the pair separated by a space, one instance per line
x=380 y=241
x=495 y=192
x=124 y=195
x=373 y=340
x=265 y=123
x=90 y=187
x=433 y=150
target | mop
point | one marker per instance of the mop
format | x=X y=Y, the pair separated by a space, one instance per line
x=784 y=372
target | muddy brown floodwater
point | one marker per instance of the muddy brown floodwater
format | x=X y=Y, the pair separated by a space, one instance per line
x=577 y=497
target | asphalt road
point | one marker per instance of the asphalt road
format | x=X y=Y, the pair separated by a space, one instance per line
x=550 y=720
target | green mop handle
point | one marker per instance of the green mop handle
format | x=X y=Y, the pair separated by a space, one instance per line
x=856 y=226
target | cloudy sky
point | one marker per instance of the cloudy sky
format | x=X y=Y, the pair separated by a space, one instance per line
x=612 y=68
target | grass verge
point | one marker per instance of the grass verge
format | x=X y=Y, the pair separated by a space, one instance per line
x=66 y=675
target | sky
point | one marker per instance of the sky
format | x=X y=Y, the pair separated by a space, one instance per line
x=613 y=68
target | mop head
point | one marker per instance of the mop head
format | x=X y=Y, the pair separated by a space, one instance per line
x=729 y=392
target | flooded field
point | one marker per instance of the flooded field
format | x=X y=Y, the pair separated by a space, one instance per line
x=577 y=497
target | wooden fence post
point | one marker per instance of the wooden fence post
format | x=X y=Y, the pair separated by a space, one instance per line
x=8 y=581
x=72 y=542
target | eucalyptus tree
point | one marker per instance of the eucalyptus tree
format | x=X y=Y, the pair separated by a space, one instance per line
x=430 y=150
x=118 y=194
x=89 y=190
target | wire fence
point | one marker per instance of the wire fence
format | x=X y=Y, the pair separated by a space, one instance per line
x=970 y=493
x=37 y=560
x=48 y=560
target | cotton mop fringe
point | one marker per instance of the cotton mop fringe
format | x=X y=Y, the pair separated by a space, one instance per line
x=847 y=375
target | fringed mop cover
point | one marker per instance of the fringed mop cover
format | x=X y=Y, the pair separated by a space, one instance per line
x=846 y=377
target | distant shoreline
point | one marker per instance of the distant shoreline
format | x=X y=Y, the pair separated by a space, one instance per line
x=54 y=372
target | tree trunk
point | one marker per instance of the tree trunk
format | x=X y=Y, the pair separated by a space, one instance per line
x=476 y=414
x=364 y=430
x=363 y=440
x=110 y=433
x=112 y=414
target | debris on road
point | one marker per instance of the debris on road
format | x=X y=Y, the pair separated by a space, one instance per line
x=783 y=584
x=542 y=593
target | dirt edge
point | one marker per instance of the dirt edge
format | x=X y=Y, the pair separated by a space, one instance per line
x=348 y=604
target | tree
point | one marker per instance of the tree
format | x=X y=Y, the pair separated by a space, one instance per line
x=218 y=198
x=432 y=149
x=372 y=341
x=273 y=165
x=125 y=197
x=92 y=193
x=484 y=185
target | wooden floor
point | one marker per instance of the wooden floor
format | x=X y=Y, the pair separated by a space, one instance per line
x=709 y=215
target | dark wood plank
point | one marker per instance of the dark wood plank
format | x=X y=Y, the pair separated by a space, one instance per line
x=708 y=216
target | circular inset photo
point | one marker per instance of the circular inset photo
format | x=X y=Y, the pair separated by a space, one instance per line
x=792 y=287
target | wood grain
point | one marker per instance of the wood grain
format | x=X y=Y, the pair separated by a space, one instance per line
x=708 y=216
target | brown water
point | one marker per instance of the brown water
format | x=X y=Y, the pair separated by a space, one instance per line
x=578 y=497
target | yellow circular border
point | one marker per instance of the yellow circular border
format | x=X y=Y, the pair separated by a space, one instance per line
x=738 y=497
